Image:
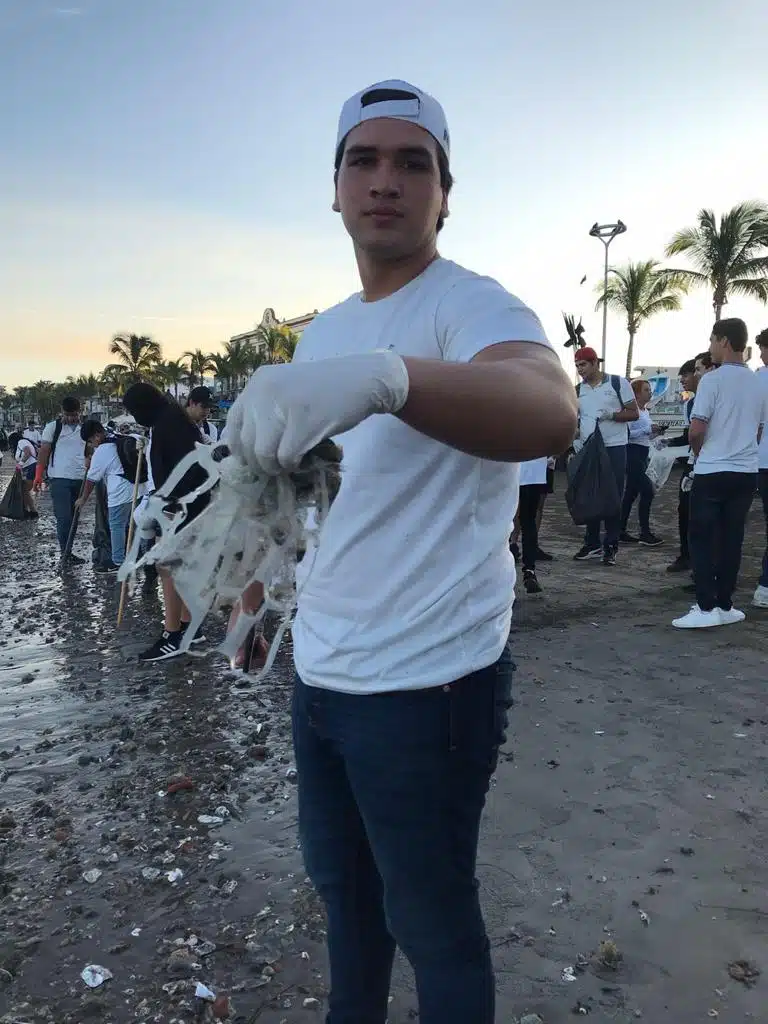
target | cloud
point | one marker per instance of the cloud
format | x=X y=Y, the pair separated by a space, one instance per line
x=68 y=12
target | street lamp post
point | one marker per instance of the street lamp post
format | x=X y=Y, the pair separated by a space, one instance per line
x=606 y=233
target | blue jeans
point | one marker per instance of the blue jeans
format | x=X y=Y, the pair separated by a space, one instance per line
x=64 y=494
x=618 y=457
x=119 y=518
x=762 y=486
x=391 y=791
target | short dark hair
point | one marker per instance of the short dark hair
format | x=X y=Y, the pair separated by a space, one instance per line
x=90 y=429
x=762 y=339
x=446 y=178
x=705 y=359
x=70 y=404
x=734 y=331
x=688 y=367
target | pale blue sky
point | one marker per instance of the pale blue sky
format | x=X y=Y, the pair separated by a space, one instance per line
x=166 y=165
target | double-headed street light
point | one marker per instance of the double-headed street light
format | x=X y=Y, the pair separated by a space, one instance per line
x=606 y=233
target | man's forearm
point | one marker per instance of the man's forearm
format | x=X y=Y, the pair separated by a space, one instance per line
x=628 y=415
x=697 y=435
x=43 y=456
x=87 y=490
x=511 y=404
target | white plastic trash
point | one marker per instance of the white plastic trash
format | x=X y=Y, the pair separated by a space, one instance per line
x=94 y=975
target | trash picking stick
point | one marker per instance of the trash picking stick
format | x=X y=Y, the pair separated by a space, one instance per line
x=131 y=527
x=75 y=520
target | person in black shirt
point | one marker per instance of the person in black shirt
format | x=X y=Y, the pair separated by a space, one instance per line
x=172 y=437
x=689 y=382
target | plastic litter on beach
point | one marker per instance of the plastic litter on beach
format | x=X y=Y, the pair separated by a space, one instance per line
x=203 y=992
x=94 y=975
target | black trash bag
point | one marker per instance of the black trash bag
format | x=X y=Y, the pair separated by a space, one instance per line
x=592 y=492
x=12 y=505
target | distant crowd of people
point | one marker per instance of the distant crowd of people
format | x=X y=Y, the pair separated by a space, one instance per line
x=727 y=465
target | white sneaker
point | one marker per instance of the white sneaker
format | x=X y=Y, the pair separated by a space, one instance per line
x=697 y=619
x=760 y=599
x=727 y=618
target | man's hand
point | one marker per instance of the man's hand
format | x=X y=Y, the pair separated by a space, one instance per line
x=79 y=503
x=286 y=410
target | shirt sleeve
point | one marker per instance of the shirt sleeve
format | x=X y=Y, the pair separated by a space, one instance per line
x=48 y=432
x=99 y=464
x=477 y=313
x=626 y=392
x=704 y=402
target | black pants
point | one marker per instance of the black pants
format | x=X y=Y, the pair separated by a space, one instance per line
x=762 y=486
x=638 y=486
x=527 y=512
x=719 y=507
x=684 y=516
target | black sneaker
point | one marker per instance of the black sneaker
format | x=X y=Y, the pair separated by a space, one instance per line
x=609 y=556
x=531 y=584
x=680 y=564
x=104 y=569
x=586 y=552
x=515 y=550
x=650 y=540
x=544 y=556
x=627 y=538
x=73 y=560
x=198 y=638
x=31 y=513
x=166 y=647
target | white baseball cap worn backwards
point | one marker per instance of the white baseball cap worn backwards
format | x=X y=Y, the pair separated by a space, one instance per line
x=395 y=98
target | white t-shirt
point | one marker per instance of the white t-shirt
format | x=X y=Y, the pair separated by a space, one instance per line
x=762 y=454
x=106 y=466
x=734 y=403
x=412 y=582
x=641 y=429
x=533 y=472
x=211 y=437
x=26 y=455
x=33 y=434
x=602 y=399
x=68 y=458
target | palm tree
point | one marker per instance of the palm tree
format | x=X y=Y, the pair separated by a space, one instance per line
x=113 y=381
x=239 y=355
x=729 y=257
x=137 y=353
x=199 y=365
x=222 y=370
x=22 y=398
x=44 y=399
x=172 y=373
x=639 y=291
x=277 y=343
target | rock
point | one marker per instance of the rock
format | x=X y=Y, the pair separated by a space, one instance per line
x=221 y=1008
x=181 y=963
x=531 y=1018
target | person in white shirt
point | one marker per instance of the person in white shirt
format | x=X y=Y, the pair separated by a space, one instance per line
x=641 y=433
x=107 y=466
x=26 y=462
x=760 y=599
x=728 y=414
x=62 y=456
x=199 y=404
x=33 y=434
x=610 y=402
x=533 y=486
x=436 y=382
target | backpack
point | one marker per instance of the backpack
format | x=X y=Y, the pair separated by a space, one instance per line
x=128 y=453
x=55 y=438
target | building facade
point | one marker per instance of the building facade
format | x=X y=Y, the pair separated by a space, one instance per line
x=269 y=319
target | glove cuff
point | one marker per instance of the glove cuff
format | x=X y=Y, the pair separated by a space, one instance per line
x=394 y=376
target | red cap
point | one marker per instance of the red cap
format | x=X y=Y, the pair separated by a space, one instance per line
x=586 y=355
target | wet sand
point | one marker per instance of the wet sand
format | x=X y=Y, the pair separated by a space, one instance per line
x=628 y=808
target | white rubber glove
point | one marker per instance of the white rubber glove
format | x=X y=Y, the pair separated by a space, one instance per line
x=286 y=410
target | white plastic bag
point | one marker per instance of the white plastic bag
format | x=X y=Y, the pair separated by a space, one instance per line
x=660 y=463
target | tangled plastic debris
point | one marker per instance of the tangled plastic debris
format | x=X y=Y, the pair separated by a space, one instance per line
x=254 y=528
x=94 y=975
x=203 y=992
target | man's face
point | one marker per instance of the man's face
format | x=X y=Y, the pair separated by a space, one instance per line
x=97 y=439
x=388 y=190
x=701 y=369
x=587 y=369
x=70 y=417
x=197 y=411
x=688 y=381
x=717 y=349
x=764 y=354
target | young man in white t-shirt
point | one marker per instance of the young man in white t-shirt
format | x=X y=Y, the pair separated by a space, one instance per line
x=62 y=456
x=106 y=467
x=726 y=426
x=437 y=382
x=199 y=405
x=609 y=401
x=760 y=599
